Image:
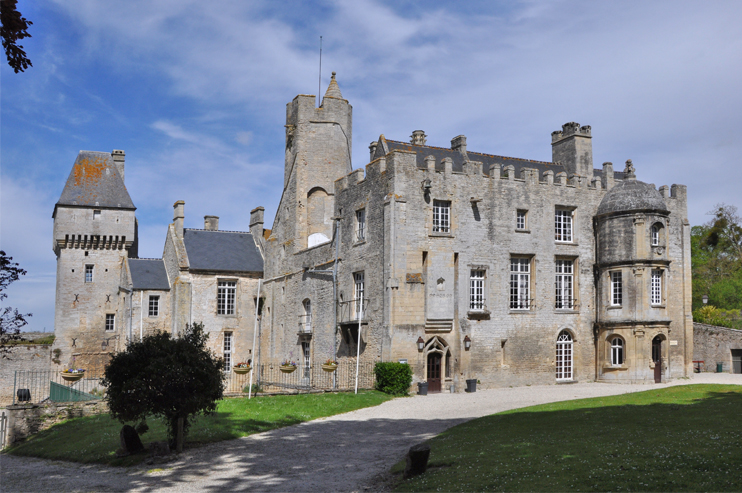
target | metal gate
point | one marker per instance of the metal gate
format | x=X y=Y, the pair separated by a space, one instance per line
x=3 y=428
x=736 y=360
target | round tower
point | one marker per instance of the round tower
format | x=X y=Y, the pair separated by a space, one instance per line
x=633 y=326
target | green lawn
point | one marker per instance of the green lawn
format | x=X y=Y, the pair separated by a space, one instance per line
x=96 y=438
x=686 y=438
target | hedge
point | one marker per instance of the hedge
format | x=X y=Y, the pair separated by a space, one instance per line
x=393 y=378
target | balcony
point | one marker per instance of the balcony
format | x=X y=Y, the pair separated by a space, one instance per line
x=305 y=325
x=351 y=312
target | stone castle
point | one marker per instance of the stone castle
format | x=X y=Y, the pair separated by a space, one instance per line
x=464 y=265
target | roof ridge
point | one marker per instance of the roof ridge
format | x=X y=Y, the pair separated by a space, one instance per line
x=218 y=230
x=144 y=258
x=478 y=153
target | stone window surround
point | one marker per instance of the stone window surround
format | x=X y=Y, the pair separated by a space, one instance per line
x=559 y=211
x=110 y=322
x=481 y=273
x=89 y=272
x=530 y=305
x=442 y=217
x=617 y=351
x=227 y=285
x=615 y=284
x=657 y=274
x=575 y=284
x=360 y=225
x=521 y=221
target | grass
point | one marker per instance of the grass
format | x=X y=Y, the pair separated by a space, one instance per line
x=96 y=438
x=686 y=438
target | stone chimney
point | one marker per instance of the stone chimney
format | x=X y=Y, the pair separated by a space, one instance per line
x=211 y=223
x=418 y=138
x=458 y=143
x=178 y=217
x=256 y=222
x=372 y=149
x=573 y=147
x=118 y=159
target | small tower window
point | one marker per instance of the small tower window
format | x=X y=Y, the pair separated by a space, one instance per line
x=110 y=322
x=88 y=273
x=656 y=234
x=96 y=215
x=616 y=288
x=520 y=219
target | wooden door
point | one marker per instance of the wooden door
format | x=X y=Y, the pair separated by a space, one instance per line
x=434 y=373
x=657 y=359
x=736 y=360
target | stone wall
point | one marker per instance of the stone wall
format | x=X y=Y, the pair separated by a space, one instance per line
x=714 y=345
x=21 y=357
x=26 y=419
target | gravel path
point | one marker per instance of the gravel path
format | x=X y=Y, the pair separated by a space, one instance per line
x=348 y=452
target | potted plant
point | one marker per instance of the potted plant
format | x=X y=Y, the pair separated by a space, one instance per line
x=242 y=368
x=330 y=365
x=287 y=366
x=73 y=374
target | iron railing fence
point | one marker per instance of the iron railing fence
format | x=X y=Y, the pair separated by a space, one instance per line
x=36 y=386
x=3 y=429
x=269 y=378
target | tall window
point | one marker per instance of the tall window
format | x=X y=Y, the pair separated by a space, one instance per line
x=564 y=356
x=361 y=224
x=306 y=324
x=110 y=322
x=441 y=216
x=520 y=284
x=225 y=297
x=305 y=356
x=476 y=289
x=616 y=288
x=655 y=235
x=564 y=284
x=227 y=351
x=154 y=306
x=520 y=219
x=656 y=289
x=359 y=298
x=88 y=273
x=563 y=225
x=616 y=351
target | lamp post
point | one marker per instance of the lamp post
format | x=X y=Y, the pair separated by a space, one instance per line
x=420 y=344
x=467 y=343
x=705 y=299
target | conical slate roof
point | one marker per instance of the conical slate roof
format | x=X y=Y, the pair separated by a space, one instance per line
x=95 y=182
x=333 y=90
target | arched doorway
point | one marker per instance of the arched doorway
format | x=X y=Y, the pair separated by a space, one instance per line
x=438 y=363
x=657 y=358
x=564 y=362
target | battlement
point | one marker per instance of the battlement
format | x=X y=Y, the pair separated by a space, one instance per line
x=93 y=242
x=570 y=129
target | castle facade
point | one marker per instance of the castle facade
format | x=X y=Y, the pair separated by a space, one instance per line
x=464 y=265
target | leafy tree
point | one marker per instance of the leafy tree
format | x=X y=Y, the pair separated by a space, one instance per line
x=169 y=377
x=11 y=322
x=14 y=27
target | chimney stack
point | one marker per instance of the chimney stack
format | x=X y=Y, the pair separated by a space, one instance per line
x=178 y=217
x=211 y=223
x=372 y=149
x=418 y=138
x=118 y=159
x=573 y=147
x=256 y=222
x=458 y=143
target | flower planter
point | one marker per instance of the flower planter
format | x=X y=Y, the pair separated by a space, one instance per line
x=329 y=368
x=72 y=377
x=287 y=368
x=242 y=371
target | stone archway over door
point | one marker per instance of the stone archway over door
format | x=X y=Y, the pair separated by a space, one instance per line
x=437 y=363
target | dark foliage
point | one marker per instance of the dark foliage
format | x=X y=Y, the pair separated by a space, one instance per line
x=164 y=376
x=393 y=378
x=14 y=28
x=11 y=321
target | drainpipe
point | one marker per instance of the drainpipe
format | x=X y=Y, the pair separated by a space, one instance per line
x=254 y=335
x=141 y=315
x=335 y=297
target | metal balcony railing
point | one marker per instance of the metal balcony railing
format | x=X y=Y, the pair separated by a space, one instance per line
x=305 y=324
x=352 y=311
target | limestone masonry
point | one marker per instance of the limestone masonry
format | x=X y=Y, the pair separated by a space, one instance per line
x=464 y=265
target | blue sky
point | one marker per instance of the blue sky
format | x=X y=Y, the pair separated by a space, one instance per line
x=195 y=93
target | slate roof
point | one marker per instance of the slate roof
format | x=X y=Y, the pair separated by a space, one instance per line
x=149 y=273
x=95 y=182
x=632 y=195
x=222 y=251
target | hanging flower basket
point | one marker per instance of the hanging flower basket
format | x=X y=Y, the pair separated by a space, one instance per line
x=242 y=370
x=329 y=367
x=72 y=375
x=287 y=368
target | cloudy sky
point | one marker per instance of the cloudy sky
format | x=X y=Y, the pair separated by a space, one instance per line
x=194 y=92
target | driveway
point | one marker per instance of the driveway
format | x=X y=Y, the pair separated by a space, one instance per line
x=348 y=452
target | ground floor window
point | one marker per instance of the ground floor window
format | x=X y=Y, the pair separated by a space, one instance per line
x=227 y=351
x=617 y=352
x=564 y=356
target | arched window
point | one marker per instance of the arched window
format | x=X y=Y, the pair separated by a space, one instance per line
x=655 y=234
x=564 y=362
x=617 y=353
x=318 y=217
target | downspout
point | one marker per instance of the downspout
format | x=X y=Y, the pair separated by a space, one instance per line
x=335 y=298
x=254 y=335
x=141 y=315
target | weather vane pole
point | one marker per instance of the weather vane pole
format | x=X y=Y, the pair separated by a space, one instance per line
x=319 y=84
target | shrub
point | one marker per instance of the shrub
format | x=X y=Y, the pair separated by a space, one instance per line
x=393 y=378
x=718 y=316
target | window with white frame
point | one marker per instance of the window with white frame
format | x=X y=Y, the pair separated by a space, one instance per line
x=154 y=305
x=88 y=273
x=616 y=288
x=96 y=215
x=361 y=225
x=359 y=295
x=520 y=283
x=306 y=323
x=520 y=219
x=441 y=216
x=110 y=322
x=563 y=225
x=225 y=297
x=656 y=288
x=564 y=361
x=564 y=283
x=617 y=352
x=655 y=234
x=227 y=351
x=476 y=290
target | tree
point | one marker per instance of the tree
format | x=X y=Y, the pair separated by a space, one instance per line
x=173 y=378
x=14 y=27
x=11 y=322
